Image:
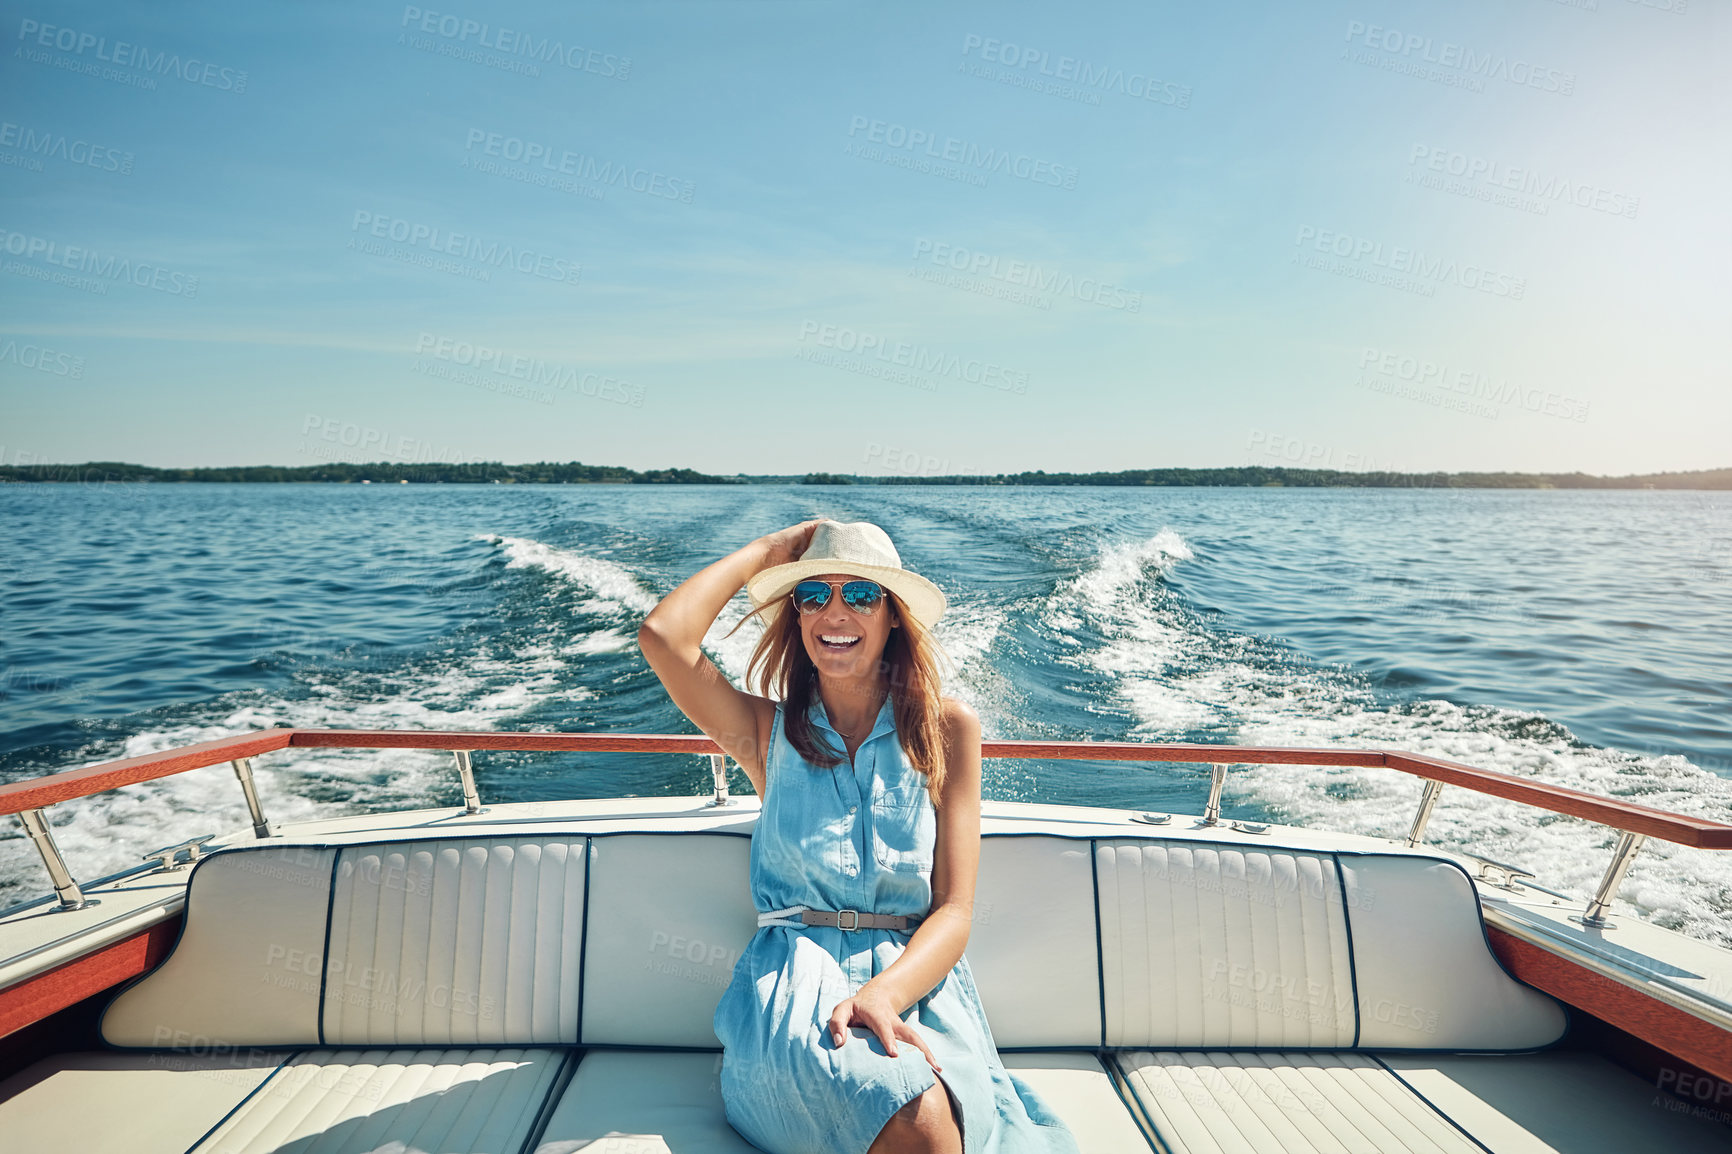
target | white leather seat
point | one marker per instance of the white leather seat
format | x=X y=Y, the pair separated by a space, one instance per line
x=406 y=1101
x=655 y=968
x=1081 y=1091
x=1223 y=947
x=455 y=943
x=125 y=1103
x=1573 y=1103
x=1043 y=883
x=634 y=1102
x=622 y=943
x=1283 y=1103
x=430 y=942
x=637 y=1102
x=1332 y=1103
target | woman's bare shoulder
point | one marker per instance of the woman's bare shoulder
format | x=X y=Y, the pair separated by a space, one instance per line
x=959 y=720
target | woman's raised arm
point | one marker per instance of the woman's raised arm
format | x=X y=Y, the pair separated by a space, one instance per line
x=671 y=638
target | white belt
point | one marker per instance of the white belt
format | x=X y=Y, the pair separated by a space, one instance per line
x=802 y=916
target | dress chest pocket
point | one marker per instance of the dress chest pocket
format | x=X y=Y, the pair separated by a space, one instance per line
x=904 y=829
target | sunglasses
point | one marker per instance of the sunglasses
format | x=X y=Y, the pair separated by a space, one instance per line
x=863 y=597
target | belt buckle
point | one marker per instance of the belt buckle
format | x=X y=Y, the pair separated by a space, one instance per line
x=841 y=925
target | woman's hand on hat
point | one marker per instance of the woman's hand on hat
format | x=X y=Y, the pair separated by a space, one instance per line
x=788 y=544
x=873 y=1010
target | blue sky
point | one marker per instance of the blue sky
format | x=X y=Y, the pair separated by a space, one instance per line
x=778 y=237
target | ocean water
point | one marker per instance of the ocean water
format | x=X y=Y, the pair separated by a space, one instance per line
x=1568 y=636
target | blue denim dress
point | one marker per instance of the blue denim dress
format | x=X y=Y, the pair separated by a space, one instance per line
x=859 y=837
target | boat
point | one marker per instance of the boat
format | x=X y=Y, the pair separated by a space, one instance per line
x=542 y=976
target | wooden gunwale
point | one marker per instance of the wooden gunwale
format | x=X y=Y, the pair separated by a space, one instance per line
x=1701 y=833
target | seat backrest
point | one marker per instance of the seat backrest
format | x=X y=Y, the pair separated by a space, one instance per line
x=669 y=915
x=431 y=942
x=1207 y=945
x=630 y=939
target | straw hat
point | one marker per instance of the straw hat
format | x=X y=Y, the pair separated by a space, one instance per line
x=861 y=549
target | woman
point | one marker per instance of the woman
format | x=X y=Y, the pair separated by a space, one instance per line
x=863 y=861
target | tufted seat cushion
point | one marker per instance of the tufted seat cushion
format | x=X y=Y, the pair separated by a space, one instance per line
x=431 y=942
x=1300 y=1103
x=1224 y=947
x=333 y=1101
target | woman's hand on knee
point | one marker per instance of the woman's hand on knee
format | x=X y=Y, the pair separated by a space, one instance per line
x=868 y=1008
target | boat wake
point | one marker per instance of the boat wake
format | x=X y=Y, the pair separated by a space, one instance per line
x=1146 y=664
x=1181 y=677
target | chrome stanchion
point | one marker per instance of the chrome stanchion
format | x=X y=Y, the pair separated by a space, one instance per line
x=244 y=772
x=65 y=887
x=1595 y=917
x=1427 y=803
x=719 y=771
x=1217 y=780
x=466 y=771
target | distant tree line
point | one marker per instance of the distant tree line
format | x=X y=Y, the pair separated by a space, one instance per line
x=577 y=473
x=384 y=472
x=1256 y=476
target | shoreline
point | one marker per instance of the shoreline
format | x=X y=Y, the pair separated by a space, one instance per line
x=574 y=472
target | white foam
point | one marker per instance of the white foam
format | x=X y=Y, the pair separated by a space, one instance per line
x=1175 y=677
x=731 y=654
x=107 y=832
x=614 y=586
x=618 y=590
x=601 y=641
x=967 y=633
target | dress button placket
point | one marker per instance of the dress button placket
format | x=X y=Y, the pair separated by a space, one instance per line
x=850 y=868
x=864 y=773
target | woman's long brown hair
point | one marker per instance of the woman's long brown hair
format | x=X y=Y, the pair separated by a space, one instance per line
x=781 y=669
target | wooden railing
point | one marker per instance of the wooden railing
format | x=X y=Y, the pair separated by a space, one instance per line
x=1636 y=822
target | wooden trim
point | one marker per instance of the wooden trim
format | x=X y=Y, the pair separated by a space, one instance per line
x=675 y=743
x=538 y=742
x=1681 y=1034
x=1617 y=813
x=36 y=998
x=57 y=787
x=1153 y=751
x=1680 y=828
